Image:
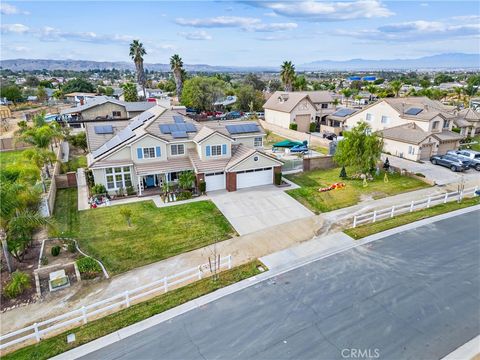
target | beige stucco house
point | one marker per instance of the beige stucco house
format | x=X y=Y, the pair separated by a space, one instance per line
x=414 y=127
x=468 y=120
x=157 y=145
x=300 y=108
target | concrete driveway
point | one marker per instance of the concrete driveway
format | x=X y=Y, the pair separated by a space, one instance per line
x=441 y=175
x=250 y=210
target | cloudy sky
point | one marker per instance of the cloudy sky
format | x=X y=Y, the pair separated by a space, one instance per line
x=244 y=33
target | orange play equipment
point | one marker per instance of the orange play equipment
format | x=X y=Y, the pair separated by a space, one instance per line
x=334 y=186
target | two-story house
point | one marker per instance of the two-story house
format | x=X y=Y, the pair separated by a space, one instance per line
x=301 y=108
x=414 y=127
x=159 y=144
x=102 y=108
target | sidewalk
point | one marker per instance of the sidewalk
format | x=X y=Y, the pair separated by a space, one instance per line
x=82 y=190
x=243 y=249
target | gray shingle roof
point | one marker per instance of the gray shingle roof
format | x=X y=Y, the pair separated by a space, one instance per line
x=139 y=105
x=409 y=133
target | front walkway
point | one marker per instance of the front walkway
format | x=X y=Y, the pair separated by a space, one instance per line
x=243 y=249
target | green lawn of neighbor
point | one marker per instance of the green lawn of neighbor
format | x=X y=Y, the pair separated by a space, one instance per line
x=373 y=228
x=272 y=139
x=311 y=181
x=156 y=233
x=11 y=157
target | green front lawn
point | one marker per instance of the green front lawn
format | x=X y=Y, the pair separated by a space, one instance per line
x=93 y=330
x=354 y=192
x=156 y=233
x=373 y=228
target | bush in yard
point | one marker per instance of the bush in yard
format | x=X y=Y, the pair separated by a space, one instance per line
x=55 y=250
x=278 y=178
x=343 y=173
x=293 y=126
x=43 y=261
x=71 y=246
x=98 y=189
x=88 y=267
x=130 y=190
x=313 y=127
x=202 y=186
x=127 y=215
x=19 y=282
x=184 y=195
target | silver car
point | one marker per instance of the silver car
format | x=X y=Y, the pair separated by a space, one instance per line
x=470 y=155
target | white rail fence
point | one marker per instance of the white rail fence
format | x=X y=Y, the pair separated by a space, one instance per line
x=104 y=307
x=425 y=203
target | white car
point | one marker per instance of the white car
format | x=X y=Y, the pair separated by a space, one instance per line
x=470 y=155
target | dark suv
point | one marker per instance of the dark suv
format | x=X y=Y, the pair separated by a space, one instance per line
x=452 y=162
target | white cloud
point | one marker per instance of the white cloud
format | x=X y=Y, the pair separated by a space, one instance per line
x=327 y=11
x=271 y=14
x=196 y=35
x=245 y=23
x=53 y=34
x=7 y=9
x=14 y=28
x=415 y=31
x=467 y=18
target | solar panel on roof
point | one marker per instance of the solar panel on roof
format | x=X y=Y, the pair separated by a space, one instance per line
x=413 y=111
x=170 y=128
x=343 y=112
x=178 y=119
x=104 y=129
x=165 y=129
x=179 y=134
x=242 y=128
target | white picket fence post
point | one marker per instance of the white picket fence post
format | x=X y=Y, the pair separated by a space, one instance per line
x=229 y=262
x=375 y=216
x=84 y=314
x=445 y=199
x=37 y=333
x=199 y=273
x=165 y=284
x=411 y=206
x=355 y=221
x=392 y=213
x=127 y=298
x=428 y=201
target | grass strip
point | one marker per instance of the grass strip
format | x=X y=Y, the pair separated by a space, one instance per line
x=111 y=323
x=372 y=228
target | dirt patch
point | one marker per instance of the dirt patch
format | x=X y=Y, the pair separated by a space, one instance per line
x=65 y=256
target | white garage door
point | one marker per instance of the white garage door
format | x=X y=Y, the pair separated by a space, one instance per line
x=254 y=177
x=215 y=181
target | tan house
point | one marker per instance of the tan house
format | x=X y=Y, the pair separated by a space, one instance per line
x=159 y=144
x=300 y=108
x=468 y=120
x=414 y=127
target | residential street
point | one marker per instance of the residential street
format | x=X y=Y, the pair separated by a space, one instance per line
x=412 y=295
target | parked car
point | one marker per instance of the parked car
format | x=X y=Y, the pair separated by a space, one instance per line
x=452 y=162
x=329 y=135
x=299 y=149
x=470 y=155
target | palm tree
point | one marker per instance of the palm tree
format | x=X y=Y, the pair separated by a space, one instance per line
x=137 y=51
x=287 y=75
x=39 y=137
x=347 y=92
x=372 y=89
x=176 y=65
x=41 y=158
x=396 y=85
x=186 y=180
x=458 y=94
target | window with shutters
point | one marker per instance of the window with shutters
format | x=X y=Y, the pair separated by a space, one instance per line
x=216 y=150
x=148 y=153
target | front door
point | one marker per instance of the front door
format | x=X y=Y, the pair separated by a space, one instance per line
x=150 y=181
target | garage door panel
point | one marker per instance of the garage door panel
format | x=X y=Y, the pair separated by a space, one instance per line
x=255 y=177
x=215 y=181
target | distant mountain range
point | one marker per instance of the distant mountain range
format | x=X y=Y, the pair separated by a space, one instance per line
x=434 y=62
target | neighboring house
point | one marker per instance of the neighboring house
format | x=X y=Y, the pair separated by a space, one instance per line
x=101 y=108
x=79 y=97
x=468 y=120
x=334 y=123
x=301 y=108
x=157 y=145
x=414 y=127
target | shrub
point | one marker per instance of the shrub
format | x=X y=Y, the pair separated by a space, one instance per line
x=127 y=215
x=420 y=175
x=55 y=250
x=278 y=178
x=343 y=173
x=71 y=246
x=43 y=261
x=88 y=267
x=313 y=127
x=202 y=186
x=19 y=282
x=456 y=129
x=293 y=126
x=130 y=190
x=184 y=195
x=90 y=178
x=98 y=189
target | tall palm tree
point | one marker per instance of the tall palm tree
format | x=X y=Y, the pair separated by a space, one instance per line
x=41 y=158
x=176 y=65
x=39 y=137
x=287 y=74
x=458 y=94
x=396 y=85
x=347 y=92
x=137 y=51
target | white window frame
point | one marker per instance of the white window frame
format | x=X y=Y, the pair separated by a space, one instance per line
x=369 y=117
x=435 y=125
x=258 y=141
x=148 y=149
x=125 y=174
x=177 y=147
x=411 y=150
x=386 y=118
x=215 y=147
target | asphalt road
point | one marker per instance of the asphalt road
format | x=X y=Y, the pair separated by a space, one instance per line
x=413 y=295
